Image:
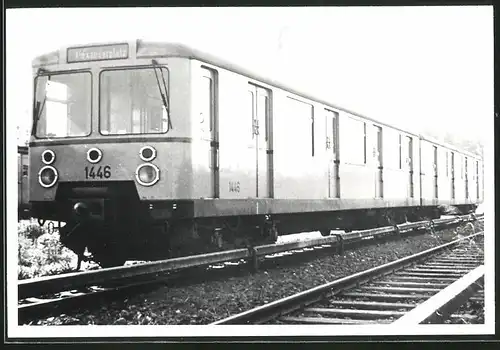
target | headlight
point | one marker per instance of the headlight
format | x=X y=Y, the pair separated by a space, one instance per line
x=48 y=157
x=147 y=174
x=94 y=155
x=47 y=176
x=147 y=153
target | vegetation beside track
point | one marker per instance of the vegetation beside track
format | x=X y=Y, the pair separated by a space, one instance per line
x=40 y=253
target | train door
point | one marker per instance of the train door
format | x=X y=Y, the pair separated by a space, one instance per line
x=452 y=175
x=409 y=164
x=261 y=135
x=209 y=101
x=466 y=179
x=435 y=170
x=332 y=144
x=378 y=161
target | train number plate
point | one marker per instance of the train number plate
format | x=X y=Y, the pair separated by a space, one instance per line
x=98 y=172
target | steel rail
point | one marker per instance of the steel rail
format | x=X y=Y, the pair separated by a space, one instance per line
x=272 y=310
x=440 y=306
x=53 y=284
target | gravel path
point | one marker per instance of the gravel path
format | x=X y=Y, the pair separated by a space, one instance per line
x=208 y=301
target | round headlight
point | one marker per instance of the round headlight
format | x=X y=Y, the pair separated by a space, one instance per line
x=48 y=156
x=47 y=176
x=94 y=155
x=147 y=174
x=147 y=153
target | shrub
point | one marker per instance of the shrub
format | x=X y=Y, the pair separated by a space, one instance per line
x=41 y=254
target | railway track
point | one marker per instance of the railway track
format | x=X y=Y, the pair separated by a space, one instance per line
x=46 y=294
x=424 y=288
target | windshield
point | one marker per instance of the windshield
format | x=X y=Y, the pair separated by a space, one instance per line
x=64 y=105
x=131 y=101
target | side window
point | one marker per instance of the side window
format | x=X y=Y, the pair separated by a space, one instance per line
x=336 y=135
x=400 y=153
x=312 y=130
x=435 y=159
x=263 y=111
x=25 y=170
x=462 y=167
x=207 y=98
x=332 y=133
x=355 y=144
x=447 y=164
x=301 y=122
x=57 y=104
x=365 y=143
x=452 y=165
x=250 y=106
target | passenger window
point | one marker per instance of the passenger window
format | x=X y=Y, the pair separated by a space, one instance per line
x=462 y=168
x=447 y=165
x=206 y=103
x=263 y=106
x=301 y=125
x=251 y=113
x=355 y=145
x=400 y=153
x=312 y=130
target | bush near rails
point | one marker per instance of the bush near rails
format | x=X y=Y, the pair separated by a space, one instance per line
x=40 y=253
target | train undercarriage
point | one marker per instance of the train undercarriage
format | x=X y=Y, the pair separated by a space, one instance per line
x=114 y=225
x=123 y=230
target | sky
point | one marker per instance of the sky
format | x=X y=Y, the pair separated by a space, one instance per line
x=414 y=67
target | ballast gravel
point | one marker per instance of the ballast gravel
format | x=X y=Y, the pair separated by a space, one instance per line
x=207 y=301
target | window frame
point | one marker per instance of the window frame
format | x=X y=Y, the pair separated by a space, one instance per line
x=447 y=164
x=400 y=152
x=91 y=94
x=211 y=75
x=124 y=68
x=362 y=162
x=365 y=142
x=311 y=116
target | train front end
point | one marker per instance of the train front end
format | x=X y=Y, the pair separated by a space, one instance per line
x=106 y=156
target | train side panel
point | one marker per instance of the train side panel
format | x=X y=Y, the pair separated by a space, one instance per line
x=299 y=161
x=357 y=179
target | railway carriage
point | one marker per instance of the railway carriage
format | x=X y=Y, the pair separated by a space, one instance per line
x=149 y=150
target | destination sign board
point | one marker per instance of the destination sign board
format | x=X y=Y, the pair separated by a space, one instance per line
x=97 y=53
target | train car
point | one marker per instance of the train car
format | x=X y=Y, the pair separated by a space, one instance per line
x=449 y=176
x=152 y=150
x=23 y=206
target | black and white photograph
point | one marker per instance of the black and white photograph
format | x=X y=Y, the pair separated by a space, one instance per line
x=249 y=172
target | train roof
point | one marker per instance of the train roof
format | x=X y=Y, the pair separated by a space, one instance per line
x=150 y=49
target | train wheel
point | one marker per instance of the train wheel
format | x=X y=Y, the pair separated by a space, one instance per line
x=105 y=257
